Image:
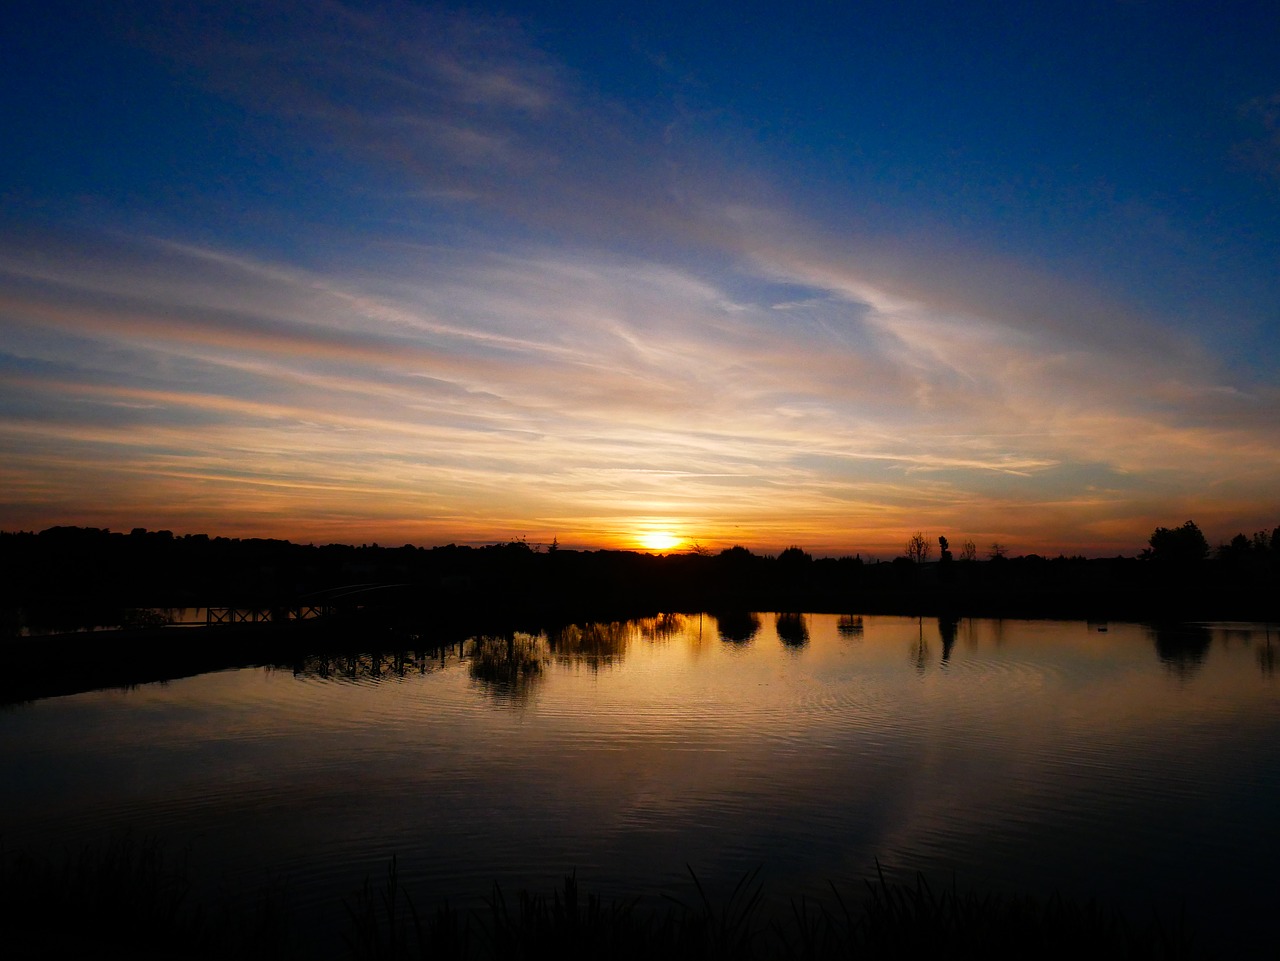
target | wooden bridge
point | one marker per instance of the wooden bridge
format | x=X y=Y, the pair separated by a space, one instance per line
x=264 y=615
x=309 y=607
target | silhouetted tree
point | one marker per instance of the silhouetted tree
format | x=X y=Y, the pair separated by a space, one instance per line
x=1237 y=553
x=997 y=551
x=918 y=548
x=969 y=552
x=794 y=557
x=1179 y=545
x=945 y=570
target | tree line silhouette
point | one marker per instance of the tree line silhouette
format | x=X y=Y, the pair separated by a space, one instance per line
x=70 y=578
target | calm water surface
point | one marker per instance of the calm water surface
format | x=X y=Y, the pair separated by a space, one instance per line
x=1137 y=765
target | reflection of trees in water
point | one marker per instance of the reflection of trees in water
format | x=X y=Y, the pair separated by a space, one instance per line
x=947 y=631
x=595 y=644
x=661 y=628
x=1182 y=647
x=737 y=627
x=849 y=625
x=921 y=652
x=1267 y=655
x=506 y=666
x=793 y=630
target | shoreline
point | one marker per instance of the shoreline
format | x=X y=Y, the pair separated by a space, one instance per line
x=76 y=662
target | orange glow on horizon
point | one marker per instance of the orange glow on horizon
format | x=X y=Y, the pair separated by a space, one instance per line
x=659 y=540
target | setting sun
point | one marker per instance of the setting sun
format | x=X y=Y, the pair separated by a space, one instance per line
x=659 y=541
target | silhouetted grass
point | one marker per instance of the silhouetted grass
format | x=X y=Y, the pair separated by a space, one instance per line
x=890 y=920
x=901 y=920
x=126 y=898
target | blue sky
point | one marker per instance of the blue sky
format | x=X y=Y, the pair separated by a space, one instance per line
x=746 y=273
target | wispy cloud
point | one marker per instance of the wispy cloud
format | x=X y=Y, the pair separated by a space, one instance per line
x=578 y=320
x=632 y=388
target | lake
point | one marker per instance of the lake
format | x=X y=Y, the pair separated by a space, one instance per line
x=1135 y=764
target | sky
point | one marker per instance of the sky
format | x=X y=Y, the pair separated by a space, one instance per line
x=642 y=274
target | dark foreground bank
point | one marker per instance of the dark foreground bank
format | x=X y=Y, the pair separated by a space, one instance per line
x=127 y=898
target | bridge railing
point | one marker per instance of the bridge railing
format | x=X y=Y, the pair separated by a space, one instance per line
x=264 y=615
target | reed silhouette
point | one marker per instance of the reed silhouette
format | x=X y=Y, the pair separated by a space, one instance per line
x=886 y=919
x=595 y=644
x=507 y=667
